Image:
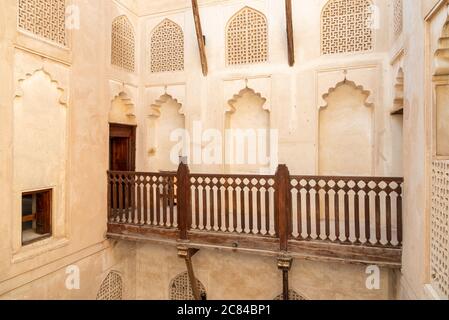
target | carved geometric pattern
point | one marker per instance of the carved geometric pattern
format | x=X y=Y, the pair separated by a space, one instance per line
x=44 y=18
x=247 y=38
x=292 y=295
x=398 y=17
x=111 y=288
x=180 y=288
x=123 y=44
x=167 y=48
x=439 y=247
x=345 y=26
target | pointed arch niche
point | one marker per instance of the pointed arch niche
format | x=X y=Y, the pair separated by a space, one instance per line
x=166 y=116
x=246 y=118
x=346 y=131
x=40 y=140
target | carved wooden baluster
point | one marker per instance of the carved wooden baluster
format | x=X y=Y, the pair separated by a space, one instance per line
x=171 y=199
x=308 y=211
x=139 y=200
x=133 y=189
x=109 y=200
x=367 y=215
x=234 y=207
x=388 y=216
x=250 y=210
x=377 y=210
x=227 y=212
x=212 y=206
x=337 y=213
x=127 y=200
x=326 y=211
x=242 y=208
x=152 y=211
x=267 y=210
x=399 y=216
x=145 y=201
x=164 y=185
x=205 y=212
x=219 y=210
x=259 y=210
x=197 y=204
x=317 y=211
x=115 y=199
x=357 y=214
x=120 y=198
x=158 y=201
x=346 y=204
x=299 y=209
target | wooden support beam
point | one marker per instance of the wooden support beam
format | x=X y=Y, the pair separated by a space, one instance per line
x=200 y=37
x=290 y=42
x=187 y=254
x=282 y=209
x=285 y=264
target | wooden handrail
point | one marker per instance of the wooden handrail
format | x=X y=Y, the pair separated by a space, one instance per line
x=362 y=211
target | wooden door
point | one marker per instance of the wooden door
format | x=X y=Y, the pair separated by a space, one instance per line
x=122 y=148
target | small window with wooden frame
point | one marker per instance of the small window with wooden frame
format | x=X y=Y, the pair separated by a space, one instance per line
x=36 y=216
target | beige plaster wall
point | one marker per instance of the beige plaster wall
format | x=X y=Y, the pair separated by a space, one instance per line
x=241 y=276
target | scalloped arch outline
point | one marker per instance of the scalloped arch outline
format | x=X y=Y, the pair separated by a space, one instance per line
x=366 y=93
x=155 y=108
x=63 y=100
x=231 y=103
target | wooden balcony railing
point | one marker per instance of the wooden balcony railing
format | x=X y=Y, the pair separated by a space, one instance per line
x=350 y=218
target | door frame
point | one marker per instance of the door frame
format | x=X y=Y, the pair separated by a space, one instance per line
x=117 y=130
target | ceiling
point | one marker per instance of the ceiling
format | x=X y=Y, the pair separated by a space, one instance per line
x=148 y=7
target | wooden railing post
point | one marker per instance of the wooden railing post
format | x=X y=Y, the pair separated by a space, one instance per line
x=183 y=200
x=282 y=205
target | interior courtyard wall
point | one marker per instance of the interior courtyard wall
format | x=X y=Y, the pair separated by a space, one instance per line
x=230 y=275
x=294 y=93
x=81 y=71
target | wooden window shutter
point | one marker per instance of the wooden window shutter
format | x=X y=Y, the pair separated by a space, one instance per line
x=43 y=212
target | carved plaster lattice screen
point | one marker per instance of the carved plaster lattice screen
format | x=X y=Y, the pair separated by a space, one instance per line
x=123 y=44
x=247 y=38
x=44 y=18
x=346 y=26
x=439 y=247
x=292 y=295
x=180 y=288
x=398 y=17
x=111 y=288
x=167 y=48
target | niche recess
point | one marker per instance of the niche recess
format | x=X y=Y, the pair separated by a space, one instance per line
x=346 y=131
x=247 y=124
x=166 y=118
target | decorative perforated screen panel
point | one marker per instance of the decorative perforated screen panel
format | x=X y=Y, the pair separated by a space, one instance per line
x=439 y=247
x=44 y=18
x=398 y=17
x=111 y=288
x=180 y=288
x=167 y=48
x=346 y=26
x=292 y=295
x=123 y=44
x=247 y=38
